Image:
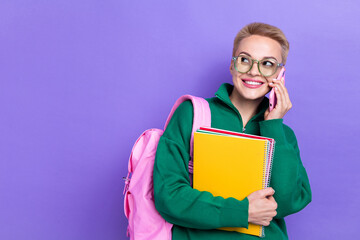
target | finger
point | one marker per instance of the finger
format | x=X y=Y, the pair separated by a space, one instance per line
x=285 y=91
x=266 y=223
x=280 y=97
x=272 y=200
x=263 y=193
x=286 y=98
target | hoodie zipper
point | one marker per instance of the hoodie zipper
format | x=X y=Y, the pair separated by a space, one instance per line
x=235 y=109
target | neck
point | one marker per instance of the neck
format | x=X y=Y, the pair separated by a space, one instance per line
x=247 y=108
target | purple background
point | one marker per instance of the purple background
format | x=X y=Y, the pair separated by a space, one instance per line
x=81 y=80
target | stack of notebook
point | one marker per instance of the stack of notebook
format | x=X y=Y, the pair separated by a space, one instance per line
x=231 y=164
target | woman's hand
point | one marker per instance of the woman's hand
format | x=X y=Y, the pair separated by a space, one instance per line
x=283 y=104
x=262 y=207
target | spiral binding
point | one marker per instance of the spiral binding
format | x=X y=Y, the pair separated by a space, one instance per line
x=272 y=160
x=262 y=230
x=266 y=183
x=264 y=166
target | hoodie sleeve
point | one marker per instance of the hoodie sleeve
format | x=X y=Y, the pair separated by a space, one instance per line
x=288 y=178
x=176 y=201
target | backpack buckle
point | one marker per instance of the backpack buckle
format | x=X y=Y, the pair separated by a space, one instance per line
x=127 y=183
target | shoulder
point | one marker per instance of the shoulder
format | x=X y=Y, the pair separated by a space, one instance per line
x=288 y=130
x=180 y=124
x=185 y=107
x=290 y=135
x=183 y=114
x=185 y=111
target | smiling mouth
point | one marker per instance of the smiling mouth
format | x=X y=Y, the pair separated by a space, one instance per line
x=250 y=83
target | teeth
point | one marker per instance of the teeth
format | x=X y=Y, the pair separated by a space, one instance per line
x=253 y=83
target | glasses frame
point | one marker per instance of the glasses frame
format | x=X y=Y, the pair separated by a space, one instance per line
x=258 y=64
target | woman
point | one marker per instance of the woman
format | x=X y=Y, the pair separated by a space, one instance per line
x=259 y=52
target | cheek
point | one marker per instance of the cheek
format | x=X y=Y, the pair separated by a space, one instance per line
x=235 y=75
x=239 y=75
x=237 y=79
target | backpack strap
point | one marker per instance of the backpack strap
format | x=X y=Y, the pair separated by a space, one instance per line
x=202 y=118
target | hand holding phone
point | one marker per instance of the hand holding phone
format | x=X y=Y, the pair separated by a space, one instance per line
x=272 y=96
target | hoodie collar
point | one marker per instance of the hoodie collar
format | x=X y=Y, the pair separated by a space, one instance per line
x=224 y=92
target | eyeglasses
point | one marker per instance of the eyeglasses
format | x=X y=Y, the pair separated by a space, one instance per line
x=267 y=66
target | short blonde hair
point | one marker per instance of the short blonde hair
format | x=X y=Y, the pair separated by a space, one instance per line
x=266 y=30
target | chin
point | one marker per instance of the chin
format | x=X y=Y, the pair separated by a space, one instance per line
x=251 y=95
x=253 y=98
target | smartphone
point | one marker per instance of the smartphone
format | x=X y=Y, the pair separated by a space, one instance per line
x=272 y=96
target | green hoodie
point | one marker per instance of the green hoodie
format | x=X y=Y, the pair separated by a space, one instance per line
x=195 y=214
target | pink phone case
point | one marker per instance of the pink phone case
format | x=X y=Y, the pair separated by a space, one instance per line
x=272 y=96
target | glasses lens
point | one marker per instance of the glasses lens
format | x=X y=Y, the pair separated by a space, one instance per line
x=243 y=63
x=268 y=67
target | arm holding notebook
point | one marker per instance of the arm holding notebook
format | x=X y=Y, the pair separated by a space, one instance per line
x=175 y=199
x=182 y=205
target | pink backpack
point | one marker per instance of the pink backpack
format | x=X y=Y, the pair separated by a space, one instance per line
x=144 y=220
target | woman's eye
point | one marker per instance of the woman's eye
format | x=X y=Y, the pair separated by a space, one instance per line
x=245 y=60
x=268 y=64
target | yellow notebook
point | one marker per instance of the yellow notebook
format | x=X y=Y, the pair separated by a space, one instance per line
x=232 y=166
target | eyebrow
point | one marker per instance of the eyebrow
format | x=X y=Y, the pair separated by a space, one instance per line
x=266 y=57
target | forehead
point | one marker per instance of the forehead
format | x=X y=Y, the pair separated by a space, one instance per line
x=259 y=47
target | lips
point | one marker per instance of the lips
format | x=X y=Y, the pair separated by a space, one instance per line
x=252 y=83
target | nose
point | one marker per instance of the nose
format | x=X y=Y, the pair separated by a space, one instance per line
x=254 y=71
